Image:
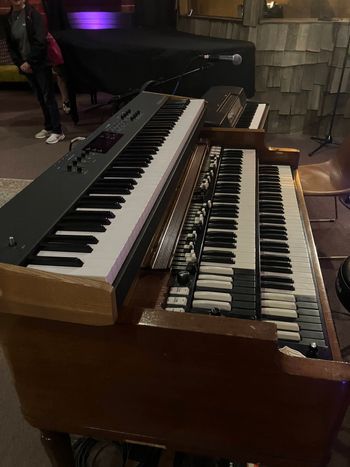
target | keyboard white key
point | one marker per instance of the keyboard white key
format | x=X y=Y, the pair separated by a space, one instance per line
x=256 y=120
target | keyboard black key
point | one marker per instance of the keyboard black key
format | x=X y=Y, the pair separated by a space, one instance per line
x=55 y=261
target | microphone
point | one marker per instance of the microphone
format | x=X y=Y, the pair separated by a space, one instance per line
x=236 y=59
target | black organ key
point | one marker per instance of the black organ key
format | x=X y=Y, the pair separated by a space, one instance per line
x=270 y=196
x=273 y=236
x=229 y=177
x=215 y=252
x=220 y=236
x=227 y=198
x=222 y=225
x=217 y=259
x=226 y=244
x=273 y=268
x=275 y=261
x=273 y=229
x=270 y=284
x=274 y=248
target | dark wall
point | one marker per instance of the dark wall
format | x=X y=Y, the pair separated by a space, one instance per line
x=155 y=13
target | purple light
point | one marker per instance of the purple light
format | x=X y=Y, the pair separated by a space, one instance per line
x=96 y=20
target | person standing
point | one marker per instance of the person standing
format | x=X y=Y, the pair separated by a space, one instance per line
x=26 y=33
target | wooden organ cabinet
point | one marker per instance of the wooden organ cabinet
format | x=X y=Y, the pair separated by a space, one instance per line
x=136 y=333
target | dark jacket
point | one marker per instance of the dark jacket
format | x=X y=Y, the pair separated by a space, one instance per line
x=36 y=31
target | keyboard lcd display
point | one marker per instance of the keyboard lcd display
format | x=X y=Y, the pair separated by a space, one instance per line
x=103 y=142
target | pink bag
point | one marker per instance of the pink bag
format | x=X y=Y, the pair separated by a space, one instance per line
x=54 y=54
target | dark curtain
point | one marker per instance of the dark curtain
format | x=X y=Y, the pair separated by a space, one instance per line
x=155 y=13
x=56 y=15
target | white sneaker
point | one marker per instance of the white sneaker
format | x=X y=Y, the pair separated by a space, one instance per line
x=66 y=107
x=42 y=134
x=55 y=138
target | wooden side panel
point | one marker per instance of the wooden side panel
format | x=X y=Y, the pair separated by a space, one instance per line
x=333 y=341
x=198 y=384
x=55 y=296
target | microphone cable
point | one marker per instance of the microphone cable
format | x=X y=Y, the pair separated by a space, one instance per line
x=193 y=59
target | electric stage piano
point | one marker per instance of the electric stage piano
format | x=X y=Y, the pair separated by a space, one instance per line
x=159 y=284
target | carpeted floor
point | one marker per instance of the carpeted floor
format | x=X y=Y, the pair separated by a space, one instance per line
x=9 y=187
x=23 y=158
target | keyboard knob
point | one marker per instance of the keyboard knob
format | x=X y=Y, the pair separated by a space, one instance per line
x=215 y=312
x=12 y=241
x=69 y=167
x=313 y=350
x=191 y=267
x=183 y=277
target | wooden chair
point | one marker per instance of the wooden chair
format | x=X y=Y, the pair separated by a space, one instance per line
x=330 y=178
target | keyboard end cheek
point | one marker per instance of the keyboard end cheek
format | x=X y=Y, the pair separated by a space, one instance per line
x=56 y=296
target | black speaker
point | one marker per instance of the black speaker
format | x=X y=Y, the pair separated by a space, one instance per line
x=342 y=284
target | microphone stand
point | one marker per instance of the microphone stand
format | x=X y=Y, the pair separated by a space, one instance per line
x=118 y=101
x=329 y=138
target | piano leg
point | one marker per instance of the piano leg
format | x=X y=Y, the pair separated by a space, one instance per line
x=58 y=448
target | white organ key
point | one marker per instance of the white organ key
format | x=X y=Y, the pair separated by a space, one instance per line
x=284 y=325
x=214 y=277
x=218 y=249
x=179 y=309
x=216 y=296
x=278 y=296
x=287 y=335
x=181 y=301
x=279 y=304
x=210 y=284
x=179 y=291
x=279 y=312
x=213 y=263
x=212 y=230
x=216 y=270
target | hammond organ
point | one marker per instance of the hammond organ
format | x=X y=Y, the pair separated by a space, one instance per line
x=147 y=281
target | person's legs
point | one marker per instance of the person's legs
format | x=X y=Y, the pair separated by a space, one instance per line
x=44 y=81
x=39 y=95
x=61 y=82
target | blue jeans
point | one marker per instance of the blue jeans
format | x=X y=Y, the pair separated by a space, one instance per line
x=42 y=83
